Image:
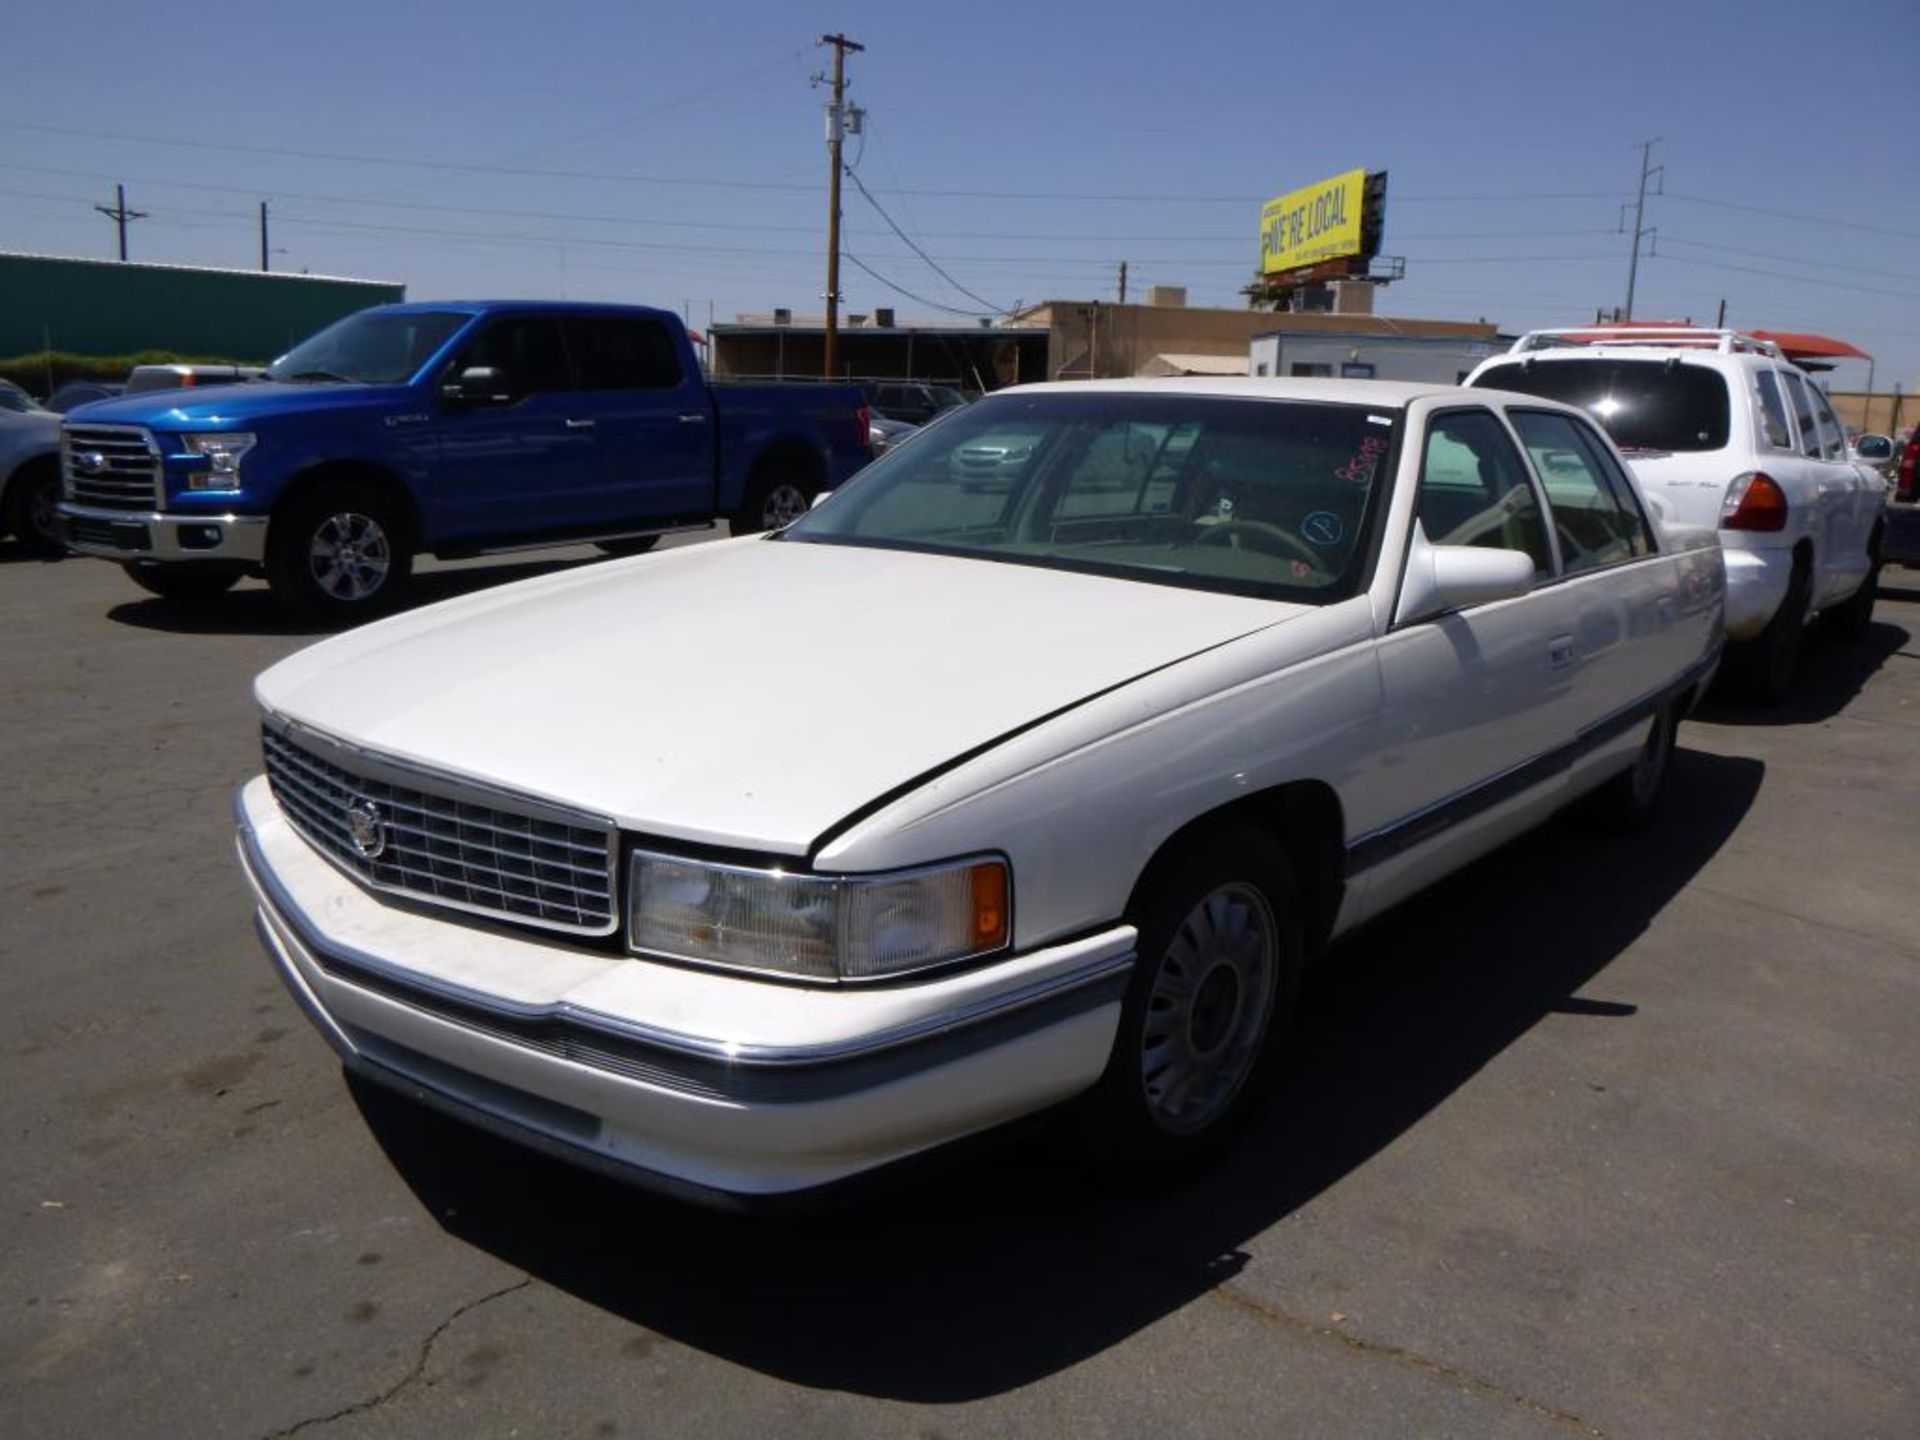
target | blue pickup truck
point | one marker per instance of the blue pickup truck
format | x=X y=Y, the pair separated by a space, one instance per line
x=454 y=429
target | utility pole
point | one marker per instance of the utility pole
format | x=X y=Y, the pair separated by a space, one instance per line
x=120 y=215
x=1647 y=171
x=835 y=130
x=1123 y=282
x=263 y=235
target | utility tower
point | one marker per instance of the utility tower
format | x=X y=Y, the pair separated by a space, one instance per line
x=1648 y=171
x=120 y=215
x=836 y=130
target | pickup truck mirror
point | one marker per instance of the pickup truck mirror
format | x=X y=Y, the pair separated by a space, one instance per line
x=1440 y=578
x=478 y=385
x=1873 y=447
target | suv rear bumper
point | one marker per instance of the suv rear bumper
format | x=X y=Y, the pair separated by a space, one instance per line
x=124 y=535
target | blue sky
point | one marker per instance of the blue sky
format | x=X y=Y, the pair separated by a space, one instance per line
x=673 y=154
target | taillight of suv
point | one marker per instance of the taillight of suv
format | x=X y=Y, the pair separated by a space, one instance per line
x=1754 y=502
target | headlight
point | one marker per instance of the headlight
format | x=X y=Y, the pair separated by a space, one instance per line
x=818 y=927
x=223 y=452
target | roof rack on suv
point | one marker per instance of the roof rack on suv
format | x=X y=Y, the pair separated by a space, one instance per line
x=1725 y=342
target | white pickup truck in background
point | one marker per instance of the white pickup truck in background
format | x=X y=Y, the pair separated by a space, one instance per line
x=1723 y=431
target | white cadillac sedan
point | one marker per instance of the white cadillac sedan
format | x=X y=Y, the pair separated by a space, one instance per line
x=1030 y=767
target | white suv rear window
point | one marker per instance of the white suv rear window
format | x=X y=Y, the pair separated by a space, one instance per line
x=1643 y=404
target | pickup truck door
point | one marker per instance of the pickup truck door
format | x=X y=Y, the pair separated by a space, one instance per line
x=654 y=420
x=1477 y=703
x=528 y=464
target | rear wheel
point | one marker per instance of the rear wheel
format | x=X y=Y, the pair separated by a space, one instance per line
x=31 y=497
x=1762 y=669
x=339 y=553
x=777 y=495
x=186 y=586
x=1219 y=965
x=1630 y=799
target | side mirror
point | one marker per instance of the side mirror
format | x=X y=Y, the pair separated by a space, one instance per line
x=1873 y=447
x=477 y=386
x=1441 y=578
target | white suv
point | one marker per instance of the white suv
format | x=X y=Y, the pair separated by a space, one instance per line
x=1723 y=431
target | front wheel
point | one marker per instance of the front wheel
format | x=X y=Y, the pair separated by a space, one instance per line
x=1219 y=965
x=777 y=495
x=339 y=553
x=30 y=508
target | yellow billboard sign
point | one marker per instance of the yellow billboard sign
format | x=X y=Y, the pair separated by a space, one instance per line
x=1305 y=227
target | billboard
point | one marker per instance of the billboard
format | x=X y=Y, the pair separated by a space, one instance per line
x=1323 y=227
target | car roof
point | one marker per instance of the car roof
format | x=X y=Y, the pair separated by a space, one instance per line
x=1396 y=394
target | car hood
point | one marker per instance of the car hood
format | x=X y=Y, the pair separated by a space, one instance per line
x=216 y=406
x=748 y=693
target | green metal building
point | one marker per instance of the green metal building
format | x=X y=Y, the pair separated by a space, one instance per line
x=111 y=307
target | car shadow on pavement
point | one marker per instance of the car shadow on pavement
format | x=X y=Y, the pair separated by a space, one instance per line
x=1018 y=1263
x=1832 y=672
x=252 y=610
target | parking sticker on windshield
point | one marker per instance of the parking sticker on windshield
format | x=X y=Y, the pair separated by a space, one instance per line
x=1322 y=528
x=1359 y=470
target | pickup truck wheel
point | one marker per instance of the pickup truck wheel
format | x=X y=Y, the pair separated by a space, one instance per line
x=186 y=586
x=30 y=515
x=1220 y=958
x=1761 y=669
x=632 y=545
x=1630 y=799
x=338 y=553
x=776 y=497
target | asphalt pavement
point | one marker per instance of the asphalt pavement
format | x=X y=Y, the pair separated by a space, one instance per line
x=1604 y=1137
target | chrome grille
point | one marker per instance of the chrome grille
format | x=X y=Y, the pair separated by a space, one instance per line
x=449 y=844
x=112 y=466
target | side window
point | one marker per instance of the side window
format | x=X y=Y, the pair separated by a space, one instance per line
x=614 y=353
x=1773 y=410
x=1802 y=412
x=529 y=352
x=1593 y=528
x=1110 y=479
x=1629 y=499
x=1474 y=489
x=1833 y=440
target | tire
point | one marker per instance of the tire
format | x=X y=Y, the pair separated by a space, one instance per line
x=185 y=586
x=1852 y=618
x=632 y=545
x=31 y=496
x=1221 y=948
x=777 y=495
x=1761 y=669
x=1629 y=801
x=339 y=553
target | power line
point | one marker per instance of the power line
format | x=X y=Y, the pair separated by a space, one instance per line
x=1788 y=259
x=1799 y=279
x=1794 y=215
x=858 y=263
x=908 y=240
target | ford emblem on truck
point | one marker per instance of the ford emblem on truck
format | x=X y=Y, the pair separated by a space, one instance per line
x=366 y=829
x=90 y=462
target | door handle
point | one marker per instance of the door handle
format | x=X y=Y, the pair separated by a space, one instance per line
x=579 y=424
x=696 y=418
x=1559 y=652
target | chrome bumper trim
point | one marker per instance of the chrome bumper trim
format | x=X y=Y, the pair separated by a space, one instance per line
x=243 y=538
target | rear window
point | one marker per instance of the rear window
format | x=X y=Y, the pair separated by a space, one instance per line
x=1643 y=404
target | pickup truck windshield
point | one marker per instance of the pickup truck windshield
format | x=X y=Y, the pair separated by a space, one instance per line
x=1642 y=404
x=370 y=348
x=1254 y=497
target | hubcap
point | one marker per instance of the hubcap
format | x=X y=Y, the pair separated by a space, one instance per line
x=1207 y=1011
x=785 y=504
x=350 y=556
x=40 y=512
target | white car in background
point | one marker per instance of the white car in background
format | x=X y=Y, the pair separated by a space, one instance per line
x=1097 y=758
x=29 y=472
x=1724 y=432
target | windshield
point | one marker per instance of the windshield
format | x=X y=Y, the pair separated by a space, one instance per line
x=1643 y=404
x=371 y=348
x=15 y=399
x=1255 y=497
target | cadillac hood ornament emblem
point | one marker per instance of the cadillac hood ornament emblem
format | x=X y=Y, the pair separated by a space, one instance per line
x=367 y=828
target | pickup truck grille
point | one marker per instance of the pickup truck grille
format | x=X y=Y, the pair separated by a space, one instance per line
x=446 y=843
x=112 y=466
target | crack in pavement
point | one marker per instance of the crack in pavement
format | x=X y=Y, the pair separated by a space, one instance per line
x=1267 y=1314
x=414 y=1373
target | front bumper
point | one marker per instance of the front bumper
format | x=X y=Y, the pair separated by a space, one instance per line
x=710 y=1086
x=1757 y=582
x=165 y=537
